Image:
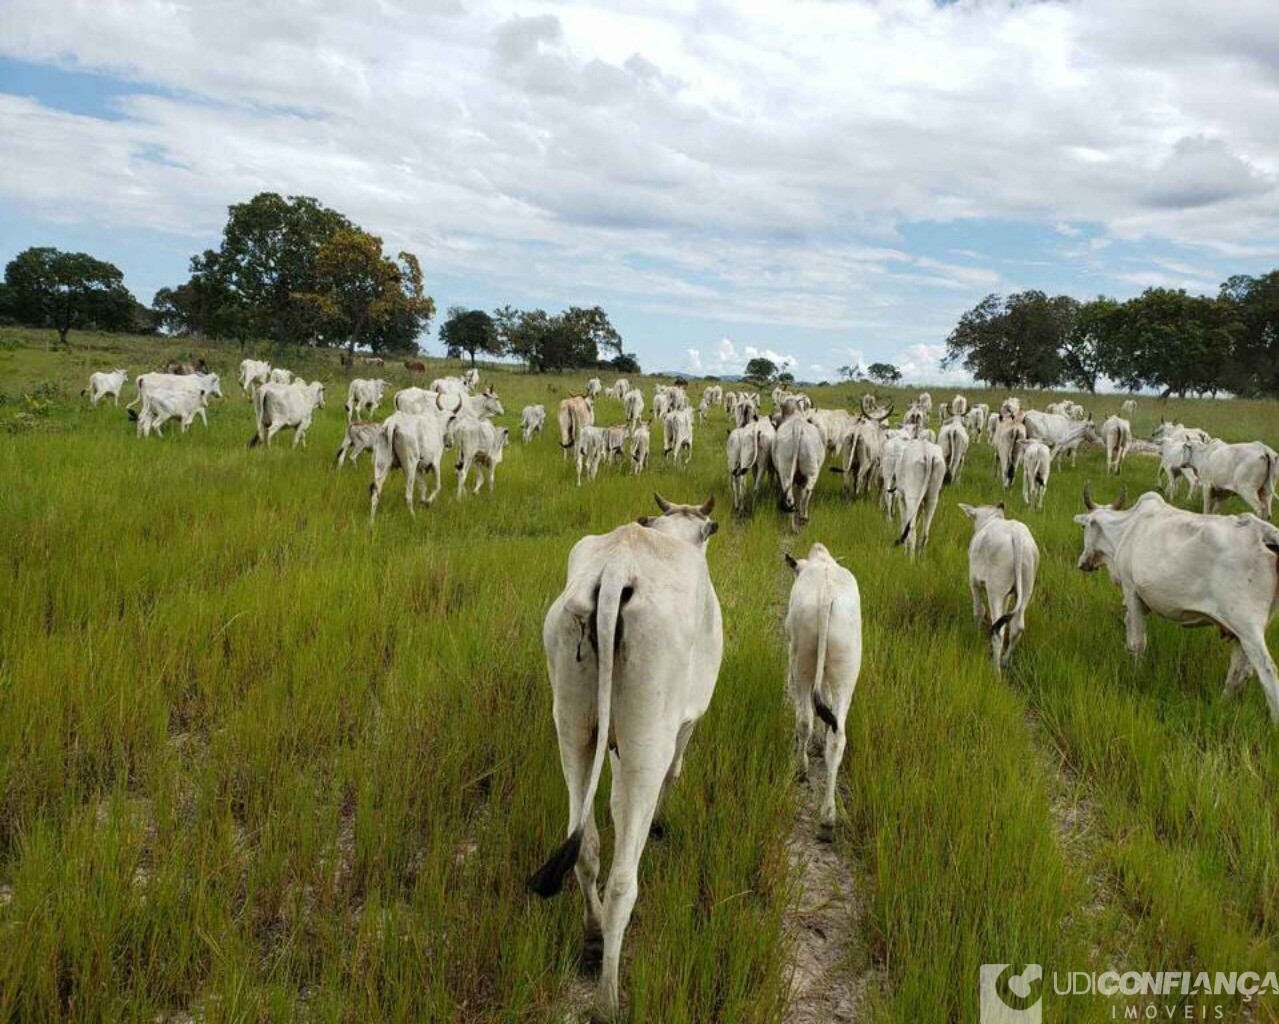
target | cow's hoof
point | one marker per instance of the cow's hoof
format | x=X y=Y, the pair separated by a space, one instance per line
x=825 y=832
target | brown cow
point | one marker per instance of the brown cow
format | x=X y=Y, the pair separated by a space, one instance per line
x=415 y=367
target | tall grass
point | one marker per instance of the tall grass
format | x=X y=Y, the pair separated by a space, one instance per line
x=260 y=759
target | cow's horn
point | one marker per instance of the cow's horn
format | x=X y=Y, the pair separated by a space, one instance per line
x=662 y=503
x=439 y=399
x=706 y=507
x=1121 y=501
x=1089 y=504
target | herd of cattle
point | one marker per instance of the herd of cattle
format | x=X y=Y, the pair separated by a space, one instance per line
x=634 y=642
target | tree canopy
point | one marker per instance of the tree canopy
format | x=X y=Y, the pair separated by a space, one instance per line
x=883 y=373
x=760 y=371
x=46 y=287
x=470 y=332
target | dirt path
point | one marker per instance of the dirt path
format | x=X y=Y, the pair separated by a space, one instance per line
x=831 y=968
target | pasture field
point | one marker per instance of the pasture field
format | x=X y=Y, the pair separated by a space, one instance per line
x=260 y=760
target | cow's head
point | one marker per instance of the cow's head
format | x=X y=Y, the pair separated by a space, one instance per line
x=687 y=522
x=817 y=553
x=982 y=514
x=1099 y=523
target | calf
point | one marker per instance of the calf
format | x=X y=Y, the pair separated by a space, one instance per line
x=918 y=478
x=363 y=395
x=639 y=447
x=1117 y=435
x=1002 y=560
x=824 y=634
x=1036 y=466
x=590 y=451
x=166 y=404
x=478 y=443
x=677 y=434
x=103 y=384
x=359 y=438
x=633 y=648
x=532 y=420
x=953 y=441
x=285 y=407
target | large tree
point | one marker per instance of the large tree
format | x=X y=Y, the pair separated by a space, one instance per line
x=1254 y=367
x=65 y=290
x=883 y=373
x=1086 y=350
x=1014 y=342
x=470 y=331
x=268 y=259
x=760 y=370
x=1174 y=342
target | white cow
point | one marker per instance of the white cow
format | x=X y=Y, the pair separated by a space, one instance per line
x=798 y=454
x=285 y=407
x=279 y=375
x=363 y=394
x=1248 y=470
x=748 y=450
x=451 y=386
x=591 y=451
x=925 y=402
x=633 y=648
x=1036 y=466
x=575 y=412
x=1117 y=435
x=959 y=406
x=1009 y=438
x=918 y=478
x=209 y=383
x=471 y=378
x=1128 y=408
x=824 y=633
x=478 y=443
x=1010 y=406
x=1174 y=463
x=975 y=419
x=593 y=387
x=413 y=442
x=1002 y=560
x=102 y=384
x=860 y=451
x=163 y=404
x=677 y=434
x=639 y=447
x=953 y=441
x=620 y=388
x=359 y=438
x=633 y=403
x=252 y=373
x=1195 y=570
x=532 y=420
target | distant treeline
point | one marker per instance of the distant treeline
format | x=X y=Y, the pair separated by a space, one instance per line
x=1163 y=339
x=294 y=272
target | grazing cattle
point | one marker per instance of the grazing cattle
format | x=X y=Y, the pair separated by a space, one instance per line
x=415 y=366
x=1180 y=431
x=614 y=442
x=662 y=402
x=620 y=388
x=1174 y=463
x=414 y=443
x=798 y=454
x=285 y=407
x=1128 y=408
x=918 y=478
x=748 y=451
x=418 y=401
x=532 y=420
x=633 y=403
x=677 y=434
x=252 y=373
x=925 y=402
x=180 y=369
x=102 y=384
x=478 y=443
x=1248 y=470
x=1116 y=433
x=824 y=636
x=834 y=425
x=975 y=419
x=359 y=438
x=1010 y=436
x=1002 y=560
x=363 y=395
x=730 y=403
x=483 y=406
x=591 y=450
x=451 y=386
x=471 y=378
x=633 y=648
x=953 y=441
x=209 y=383
x=639 y=447
x=958 y=406
x=280 y=375
x=894 y=442
x=915 y=417
x=1036 y=465
x=593 y=387
x=1010 y=406
x=943 y=412
x=164 y=404
x=1195 y=570
x=713 y=395
x=860 y=450
x=575 y=413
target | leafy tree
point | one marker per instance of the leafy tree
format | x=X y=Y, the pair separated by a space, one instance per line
x=883 y=373
x=593 y=330
x=1086 y=349
x=357 y=288
x=1176 y=342
x=268 y=258
x=62 y=290
x=470 y=331
x=785 y=378
x=1254 y=366
x=1014 y=342
x=760 y=371
x=569 y=340
x=849 y=372
x=626 y=362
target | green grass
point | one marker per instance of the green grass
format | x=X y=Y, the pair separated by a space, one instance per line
x=261 y=760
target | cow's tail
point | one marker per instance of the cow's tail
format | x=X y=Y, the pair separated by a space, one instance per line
x=820 y=704
x=919 y=503
x=615 y=589
x=1022 y=583
x=258 y=409
x=786 y=478
x=1272 y=470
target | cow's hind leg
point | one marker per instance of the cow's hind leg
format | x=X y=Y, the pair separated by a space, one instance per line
x=801 y=697
x=998 y=601
x=835 y=743
x=439 y=481
x=1254 y=646
x=635 y=794
x=1240 y=669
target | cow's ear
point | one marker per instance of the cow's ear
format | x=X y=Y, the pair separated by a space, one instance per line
x=645 y=520
x=1083 y=519
x=709 y=529
x=968 y=510
x=792 y=561
x=1001 y=507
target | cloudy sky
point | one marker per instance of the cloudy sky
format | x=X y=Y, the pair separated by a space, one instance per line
x=820 y=181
